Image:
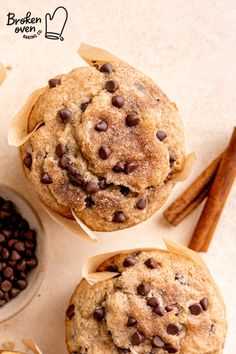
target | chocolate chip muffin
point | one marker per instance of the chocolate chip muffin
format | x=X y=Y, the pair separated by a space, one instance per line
x=159 y=303
x=108 y=147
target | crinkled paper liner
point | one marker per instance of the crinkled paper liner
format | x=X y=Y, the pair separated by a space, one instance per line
x=28 y=343
x=18 y=135
x=91 y=264
x=2 y=74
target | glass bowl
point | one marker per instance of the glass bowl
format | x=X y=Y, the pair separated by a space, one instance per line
x=36 y=275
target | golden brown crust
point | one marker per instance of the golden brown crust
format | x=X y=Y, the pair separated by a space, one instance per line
x=152 y=177
x=176 y=280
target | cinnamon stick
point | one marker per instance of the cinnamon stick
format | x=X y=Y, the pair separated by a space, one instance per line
x=193 y=195
x=218 y=194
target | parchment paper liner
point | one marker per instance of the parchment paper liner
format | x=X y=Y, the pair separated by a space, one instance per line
x=91 y=264
x=18 y=135
x=28 y=344
x=2 y=74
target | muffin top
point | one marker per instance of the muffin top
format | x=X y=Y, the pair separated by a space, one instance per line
x=159 y=303
x=109 y=144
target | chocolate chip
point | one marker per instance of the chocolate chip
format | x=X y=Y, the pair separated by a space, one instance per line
x=73 y=170
x=204 y=303
x=132 y=119
x=137 y=338
x=32 y=263
x=119 y=167
x=141 y=203
x=172 y=307
x=159 y=311
x=124 y=190
x=130 y=167
x=2 y=303
x=129 y=261
x=195 y=309
x=161 y=135
x=157 y=342
x=65 y=115
x=70 y=312
x=112 y=268
x=28 y=161
x=101 y=126
x=92 y=187
x=54 y=82
x=143 y=289
x=84 y=105
x=89 y=202
x=6 y=285
x=106 y=68
x=5 y=253
x=77 y=181
x=99 y=313
x=63 y=162
x=170 y=348
x=173 y=329
x=119 y=217
x=151 y=263
x=8 y=272
x=104 y=152
x=60 y=150
x=111 y=86
x=131 y=321
x=21 y=266
x=117 y=101
x=45 y=178
x=153 y=302
x=172 y=158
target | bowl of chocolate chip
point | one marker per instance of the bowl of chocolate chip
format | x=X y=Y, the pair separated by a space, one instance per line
x=22 y=253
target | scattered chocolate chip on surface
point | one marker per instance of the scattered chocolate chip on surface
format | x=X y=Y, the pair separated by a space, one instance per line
x=151 y=263
x=131 y=321
x=65 y=115
x=60 y=150
x=195 y=309
x=99 y=313
x=89 y=202
x=124 y=190
x=141 y=203
x=159 y=311
x=129 y=261
x=172 y=158
x=136 y=338
x=119 y=167
x=106 y=68
x=45 y=178
x=161 y=135
x=117 y=101
x=173 y=329
x=54 y=82
x=70 y=312
x=28 y=161
x=101 y=126
x=204 y=303
x=130 y=167
x=104 y=152
x=143 y=289
x=92 y=187
x=153 y=302
x=111 y=86
x=63 y=162
x=170 y=348
x=119 y=217
x=157 y=342
x=132 y=119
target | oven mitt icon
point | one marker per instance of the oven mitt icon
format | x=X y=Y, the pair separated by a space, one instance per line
x=55 y=23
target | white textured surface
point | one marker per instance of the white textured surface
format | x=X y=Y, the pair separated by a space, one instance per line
x=188 y=48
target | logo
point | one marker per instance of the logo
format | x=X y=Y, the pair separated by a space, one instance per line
x=31 y=27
